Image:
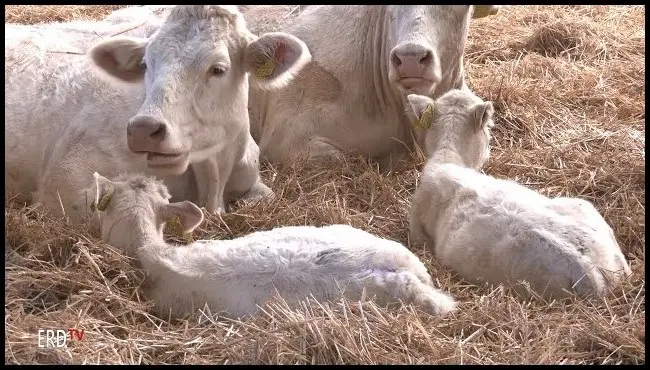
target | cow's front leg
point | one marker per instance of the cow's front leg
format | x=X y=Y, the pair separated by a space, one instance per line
x=322 y=148
x=210 y=184
x=245 y=183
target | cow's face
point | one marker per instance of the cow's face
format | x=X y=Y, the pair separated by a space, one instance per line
x=424 y=43
x=195 y=71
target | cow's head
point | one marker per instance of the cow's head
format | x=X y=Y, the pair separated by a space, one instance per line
x=425 y=42
x=195 y=71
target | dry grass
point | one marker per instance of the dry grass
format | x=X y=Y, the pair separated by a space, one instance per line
x=32 y=14
x=568 y=85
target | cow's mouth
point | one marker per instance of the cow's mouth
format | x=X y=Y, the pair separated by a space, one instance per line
x=165 y=160
x=415 y=84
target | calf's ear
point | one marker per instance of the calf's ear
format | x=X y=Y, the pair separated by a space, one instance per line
x=483 y=113
x=103 y=192
x=188 y=213
x=121 y=57
x=274 y=59
x=422 y=110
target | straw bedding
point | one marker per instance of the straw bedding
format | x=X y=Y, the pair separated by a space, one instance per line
x=568 y=83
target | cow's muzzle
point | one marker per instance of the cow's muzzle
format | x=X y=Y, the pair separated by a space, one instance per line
x=150 y=135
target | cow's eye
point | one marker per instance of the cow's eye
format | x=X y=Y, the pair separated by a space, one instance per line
x=217 y=70
x=143 y=66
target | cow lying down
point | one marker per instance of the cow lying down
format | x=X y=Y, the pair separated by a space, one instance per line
x=234 y=276
x=154 y=105
x=352 y=96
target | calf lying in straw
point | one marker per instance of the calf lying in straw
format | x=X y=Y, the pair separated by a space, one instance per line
x=496 y=230
x=234 y=276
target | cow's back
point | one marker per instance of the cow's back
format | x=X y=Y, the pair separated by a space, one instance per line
x=28 y=79
x=50 y=86
x=133 y=21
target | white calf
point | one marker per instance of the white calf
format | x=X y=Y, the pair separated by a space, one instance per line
x=497 y=230
x=234 y=276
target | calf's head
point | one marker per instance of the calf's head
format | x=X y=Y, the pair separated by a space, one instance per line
x=458 y=121
x=195 y=71
x=135 y=206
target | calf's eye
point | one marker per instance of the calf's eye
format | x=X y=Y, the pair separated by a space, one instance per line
x=217 y=70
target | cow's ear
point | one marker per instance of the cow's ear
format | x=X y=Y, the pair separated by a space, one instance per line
x=121 y=57
x=188 y=213
x=274 y=59
x=422 y=110
x=483 y=113
x=103 y=192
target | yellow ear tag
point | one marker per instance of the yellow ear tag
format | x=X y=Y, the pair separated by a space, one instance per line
x=266 y=69
x=103 y=203
x=426 y=119
x=175 y=228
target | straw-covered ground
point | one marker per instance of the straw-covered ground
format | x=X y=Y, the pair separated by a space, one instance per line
x=568 y=86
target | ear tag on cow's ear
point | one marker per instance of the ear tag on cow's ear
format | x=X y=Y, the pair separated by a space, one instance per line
x=103 y=202
x=426 y=118
x=266 y=69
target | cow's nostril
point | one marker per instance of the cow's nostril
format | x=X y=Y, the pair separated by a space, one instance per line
x=396 y=60
x=159 y=134
x=427 y=59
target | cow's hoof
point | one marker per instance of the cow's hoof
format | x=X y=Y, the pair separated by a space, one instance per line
x=258 y=193
x=216 y=210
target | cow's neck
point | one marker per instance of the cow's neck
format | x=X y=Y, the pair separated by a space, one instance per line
x=441 y=189
x=447 y=155
x=141 y=234
x=375 y=56
x=150 y=248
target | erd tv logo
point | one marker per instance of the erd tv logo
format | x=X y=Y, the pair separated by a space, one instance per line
x=58 y=338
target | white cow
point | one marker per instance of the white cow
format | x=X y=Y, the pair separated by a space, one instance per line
x=144 y=13
x=234 y=276
x=352 y=96
x=496 y=230
x=76 y=37
x=66 y=119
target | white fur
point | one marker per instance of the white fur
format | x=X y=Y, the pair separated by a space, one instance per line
x=144 y=13
x=78 y=36
x=349 y=97
x=497 y=230
x=234 y=276
x=65 y=118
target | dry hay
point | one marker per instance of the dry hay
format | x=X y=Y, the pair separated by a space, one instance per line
x=32 y=14
x=268 y=18
x=568 y=85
